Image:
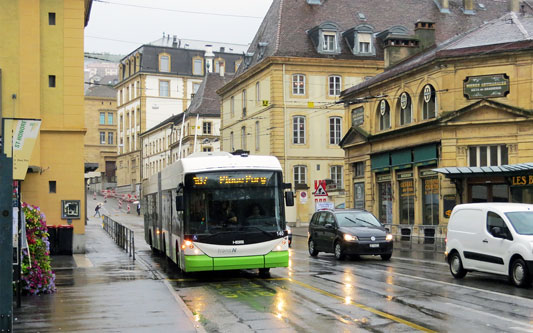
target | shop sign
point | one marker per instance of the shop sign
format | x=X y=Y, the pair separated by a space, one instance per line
x=405 y=175
x=427 y=173
x=431 y=186
x=407 y=188
x=358 y=116
x=486 y=86
x=384 y=178
x=448 y=204
x=522 y=180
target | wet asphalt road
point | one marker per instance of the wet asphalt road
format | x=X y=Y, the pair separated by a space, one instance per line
x=322 y=294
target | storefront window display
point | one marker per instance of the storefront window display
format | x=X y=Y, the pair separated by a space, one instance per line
x=385 y=199
x=430 y=200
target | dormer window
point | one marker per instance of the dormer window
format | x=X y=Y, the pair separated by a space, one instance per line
x=325 y=38
x=330 y=41
x=261 y=48
x=361 y=40
x=248 y=58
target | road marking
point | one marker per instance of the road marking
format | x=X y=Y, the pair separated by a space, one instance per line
x=361 y=306
x=421 y=261
x=82 y=261
x=469 y=309
x=461 y=286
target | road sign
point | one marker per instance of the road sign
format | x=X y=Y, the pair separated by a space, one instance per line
x=320 y=188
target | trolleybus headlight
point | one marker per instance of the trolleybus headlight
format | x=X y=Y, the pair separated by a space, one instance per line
x=388 y=238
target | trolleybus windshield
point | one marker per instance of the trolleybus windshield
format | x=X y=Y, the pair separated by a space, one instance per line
x=223 y=203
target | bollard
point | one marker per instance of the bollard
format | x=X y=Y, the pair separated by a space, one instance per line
x=129 y=208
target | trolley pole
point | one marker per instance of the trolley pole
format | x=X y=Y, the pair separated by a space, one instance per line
x=6 y=243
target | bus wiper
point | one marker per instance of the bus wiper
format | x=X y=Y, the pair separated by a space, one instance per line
x=263 y=231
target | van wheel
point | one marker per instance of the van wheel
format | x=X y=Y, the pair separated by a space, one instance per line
x=519 y=273
x=313 y=252
x=339 y=253
x=456 y=266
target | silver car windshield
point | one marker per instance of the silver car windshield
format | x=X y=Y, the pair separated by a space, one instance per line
x=357 y=219
x=522 y=222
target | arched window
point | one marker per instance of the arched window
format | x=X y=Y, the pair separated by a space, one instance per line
x=405 y=107
x=428 y=98
x=384 y=115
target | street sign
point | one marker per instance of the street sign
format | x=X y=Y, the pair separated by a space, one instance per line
x=486 y=86
x=320 y=188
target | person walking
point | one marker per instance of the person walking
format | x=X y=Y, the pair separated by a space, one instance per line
x=138 y=209
x=97 y=210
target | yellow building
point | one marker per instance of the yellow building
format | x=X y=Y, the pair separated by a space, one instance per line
x=100 y=139
x=41 y=63
x=450 y=125
x=284 y=99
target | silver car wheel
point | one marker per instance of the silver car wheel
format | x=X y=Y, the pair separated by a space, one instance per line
x=518 y=273
x=456 y=264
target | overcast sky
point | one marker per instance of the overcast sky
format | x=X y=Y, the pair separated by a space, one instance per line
x=120 y=26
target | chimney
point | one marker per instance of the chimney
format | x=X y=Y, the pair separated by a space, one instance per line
x=175 y=41
x=443 y=5
x=468 y=7
x=514 y=6
x=425 y=33
x=398 y=48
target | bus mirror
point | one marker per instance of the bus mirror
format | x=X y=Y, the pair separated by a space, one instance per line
x=179 y=203
x=286 y=186
x=289 y=199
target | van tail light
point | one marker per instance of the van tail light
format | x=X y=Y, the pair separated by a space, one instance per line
x=446 y=240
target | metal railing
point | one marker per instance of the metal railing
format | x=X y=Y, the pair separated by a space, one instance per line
x=424 y=237
x=123 y=236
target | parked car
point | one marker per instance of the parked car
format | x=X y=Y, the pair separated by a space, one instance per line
x=348 y=231
x=491 y=237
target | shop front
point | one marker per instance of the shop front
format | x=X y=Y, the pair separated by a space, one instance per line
x=505 y=183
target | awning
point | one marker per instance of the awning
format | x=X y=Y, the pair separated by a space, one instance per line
x=380 y=162
x=489 y=171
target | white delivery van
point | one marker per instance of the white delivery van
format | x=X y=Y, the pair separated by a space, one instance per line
x=491 y=237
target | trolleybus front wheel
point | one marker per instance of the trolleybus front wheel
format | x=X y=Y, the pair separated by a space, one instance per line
x=264 y=272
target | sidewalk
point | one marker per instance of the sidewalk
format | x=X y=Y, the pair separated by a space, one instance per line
x=402 y=250
x=103 y=290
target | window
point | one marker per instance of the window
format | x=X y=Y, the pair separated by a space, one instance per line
x=164 y=63
x=52 y=20
x=102 y=118
x=335 y=130
x=384 y=115
x=232 y=106
x=429 y=103
x=300 y=175
x=197 y=66
x=298 y=84
x=385 y=201
x=51 y=81
x=163 y=88
x=195 y=87
x=495 y=220
x=430 y=200
x=110 y=138
x=364 y=43
x=298 y=129
x=52 y=186
x=335 y=173
x=243 y=138
x=330 y=41
x=206 y=127
x=219 y=66
x=257 y=136
x=257 y=92
x=207 y=149
x=359 y=169
x=102 y=137
x=231 y=142
x=479 y=156
x=407 y=201
x=406 y=114
x=334 y=85
x=110 y=118
x=244 y=103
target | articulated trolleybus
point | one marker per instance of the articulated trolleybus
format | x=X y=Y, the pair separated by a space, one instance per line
x=218 y=211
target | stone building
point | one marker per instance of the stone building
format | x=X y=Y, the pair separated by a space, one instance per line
x=449 y=125
x=284 y=100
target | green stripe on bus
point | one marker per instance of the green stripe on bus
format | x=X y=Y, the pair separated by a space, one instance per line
x=277 y=259
x=221 y=264
x=198 y=263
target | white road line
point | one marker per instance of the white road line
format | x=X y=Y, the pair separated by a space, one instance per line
x=468 y=309
x=422 y=261
x=464 y=287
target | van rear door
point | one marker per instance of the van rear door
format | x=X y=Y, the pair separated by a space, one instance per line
x=467 y=230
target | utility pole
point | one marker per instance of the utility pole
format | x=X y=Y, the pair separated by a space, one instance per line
x=6 y=242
